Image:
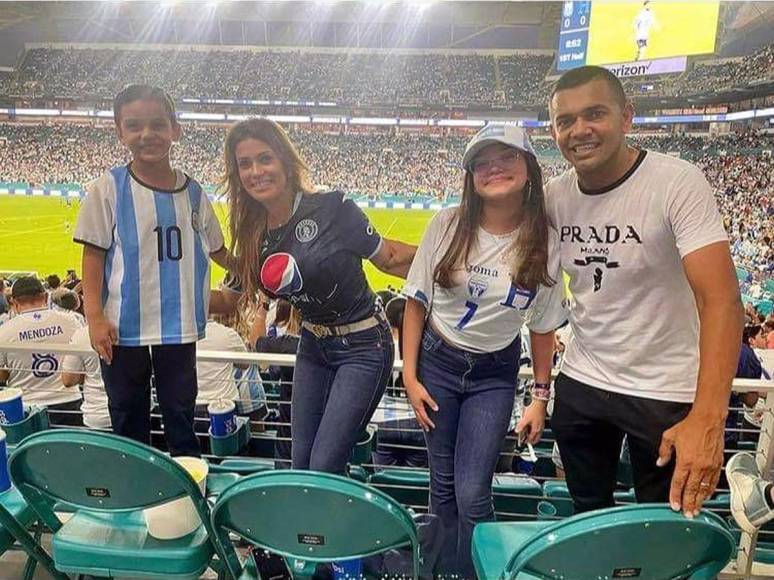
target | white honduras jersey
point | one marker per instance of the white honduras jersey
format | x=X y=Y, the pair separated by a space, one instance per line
x=37 y=374
x=635 y=326
x=95 y=401
x=157 y=267
x=484 y=311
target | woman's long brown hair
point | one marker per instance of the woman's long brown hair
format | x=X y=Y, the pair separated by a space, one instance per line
x=529 y=250
x=247 y=217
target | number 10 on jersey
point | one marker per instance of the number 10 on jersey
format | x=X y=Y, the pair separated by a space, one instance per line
x=169 y=242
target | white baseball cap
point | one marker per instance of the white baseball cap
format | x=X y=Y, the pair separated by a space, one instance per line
x=510 y=135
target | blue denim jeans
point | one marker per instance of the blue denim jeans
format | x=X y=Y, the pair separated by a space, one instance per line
x=337 y=385
x=474 y=393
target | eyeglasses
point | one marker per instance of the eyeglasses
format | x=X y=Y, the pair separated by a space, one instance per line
x=504 y=161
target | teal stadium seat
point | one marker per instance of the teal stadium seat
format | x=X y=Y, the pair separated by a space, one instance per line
x=647 y=541
x=110 y=480
x=310 y=516
x=515 y=496
x=16 y=516
x=410 y=487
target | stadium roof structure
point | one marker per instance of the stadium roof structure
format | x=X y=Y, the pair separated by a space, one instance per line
x=422 y=24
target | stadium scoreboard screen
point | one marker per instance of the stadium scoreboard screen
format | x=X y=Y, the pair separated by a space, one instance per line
x=636 y=38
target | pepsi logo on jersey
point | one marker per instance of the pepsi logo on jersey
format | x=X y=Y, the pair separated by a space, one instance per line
x=280 y=275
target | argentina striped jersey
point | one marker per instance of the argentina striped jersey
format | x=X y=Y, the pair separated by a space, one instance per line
x=156 y=286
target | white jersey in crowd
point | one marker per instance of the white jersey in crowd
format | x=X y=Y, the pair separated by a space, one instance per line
x=157 y=265
x=635 y=326
x=95 y=401
x=484 y=311
x=216 y=379
x=37 y=374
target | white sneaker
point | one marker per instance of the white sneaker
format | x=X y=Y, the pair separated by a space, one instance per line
x=748 y=493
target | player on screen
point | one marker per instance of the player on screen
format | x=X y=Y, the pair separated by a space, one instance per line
x=643 y=22
x=308 y=249
x=148 y=233
x=482 y=271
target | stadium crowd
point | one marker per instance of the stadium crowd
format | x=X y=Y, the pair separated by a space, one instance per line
x=383 y=164
x=726 y=74
x=356 y=79
x=369 y=79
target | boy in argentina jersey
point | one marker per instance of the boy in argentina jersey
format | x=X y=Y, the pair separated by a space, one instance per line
x=148 y=231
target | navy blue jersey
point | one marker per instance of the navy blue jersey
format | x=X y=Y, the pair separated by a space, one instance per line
x=315 y=260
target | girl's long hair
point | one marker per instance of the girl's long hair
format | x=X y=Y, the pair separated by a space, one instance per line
x=529 y=251
x=247 y=217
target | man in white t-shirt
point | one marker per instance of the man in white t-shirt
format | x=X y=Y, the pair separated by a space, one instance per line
x=37 y=374
x=649 y=264
x=84 y=369
x=216 y=379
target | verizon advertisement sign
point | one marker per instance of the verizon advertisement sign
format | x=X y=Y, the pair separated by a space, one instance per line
x=648 y=67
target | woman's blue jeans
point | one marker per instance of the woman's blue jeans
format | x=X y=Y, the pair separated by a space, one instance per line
x=475 y=394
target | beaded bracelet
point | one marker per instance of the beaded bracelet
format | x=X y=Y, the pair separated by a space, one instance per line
x=541 y=391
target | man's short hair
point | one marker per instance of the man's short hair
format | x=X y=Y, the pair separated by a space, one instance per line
x=53 y=281
x=132 y=93
x=65 y=299
x=27 y=287
x=585 y=74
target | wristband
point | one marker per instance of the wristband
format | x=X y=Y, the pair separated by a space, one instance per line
x=541 y=391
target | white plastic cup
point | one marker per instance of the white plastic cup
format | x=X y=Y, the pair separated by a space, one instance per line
x=178 y=518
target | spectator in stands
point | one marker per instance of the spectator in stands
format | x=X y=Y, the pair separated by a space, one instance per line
x=52 y=282
x=84 y=370
x=128 y=224
x=308 y=249
x=3 y=300
x=649 y=262
x=768 y=329
x=65 y=299
x=280 y=337
x=481 y=272
x=749 y=367
x=400 y=440
x=216 y=379
x=37 y=374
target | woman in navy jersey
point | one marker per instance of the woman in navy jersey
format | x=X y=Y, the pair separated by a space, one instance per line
x=483 y=270
x=307 y=248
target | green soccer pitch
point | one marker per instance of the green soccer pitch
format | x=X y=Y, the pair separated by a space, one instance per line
x=36 y=235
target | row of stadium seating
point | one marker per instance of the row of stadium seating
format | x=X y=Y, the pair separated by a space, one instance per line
x=516 y=80
x=290 y=513
x=352 y=79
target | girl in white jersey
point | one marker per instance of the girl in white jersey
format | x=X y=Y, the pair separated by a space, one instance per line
x=482 y=271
